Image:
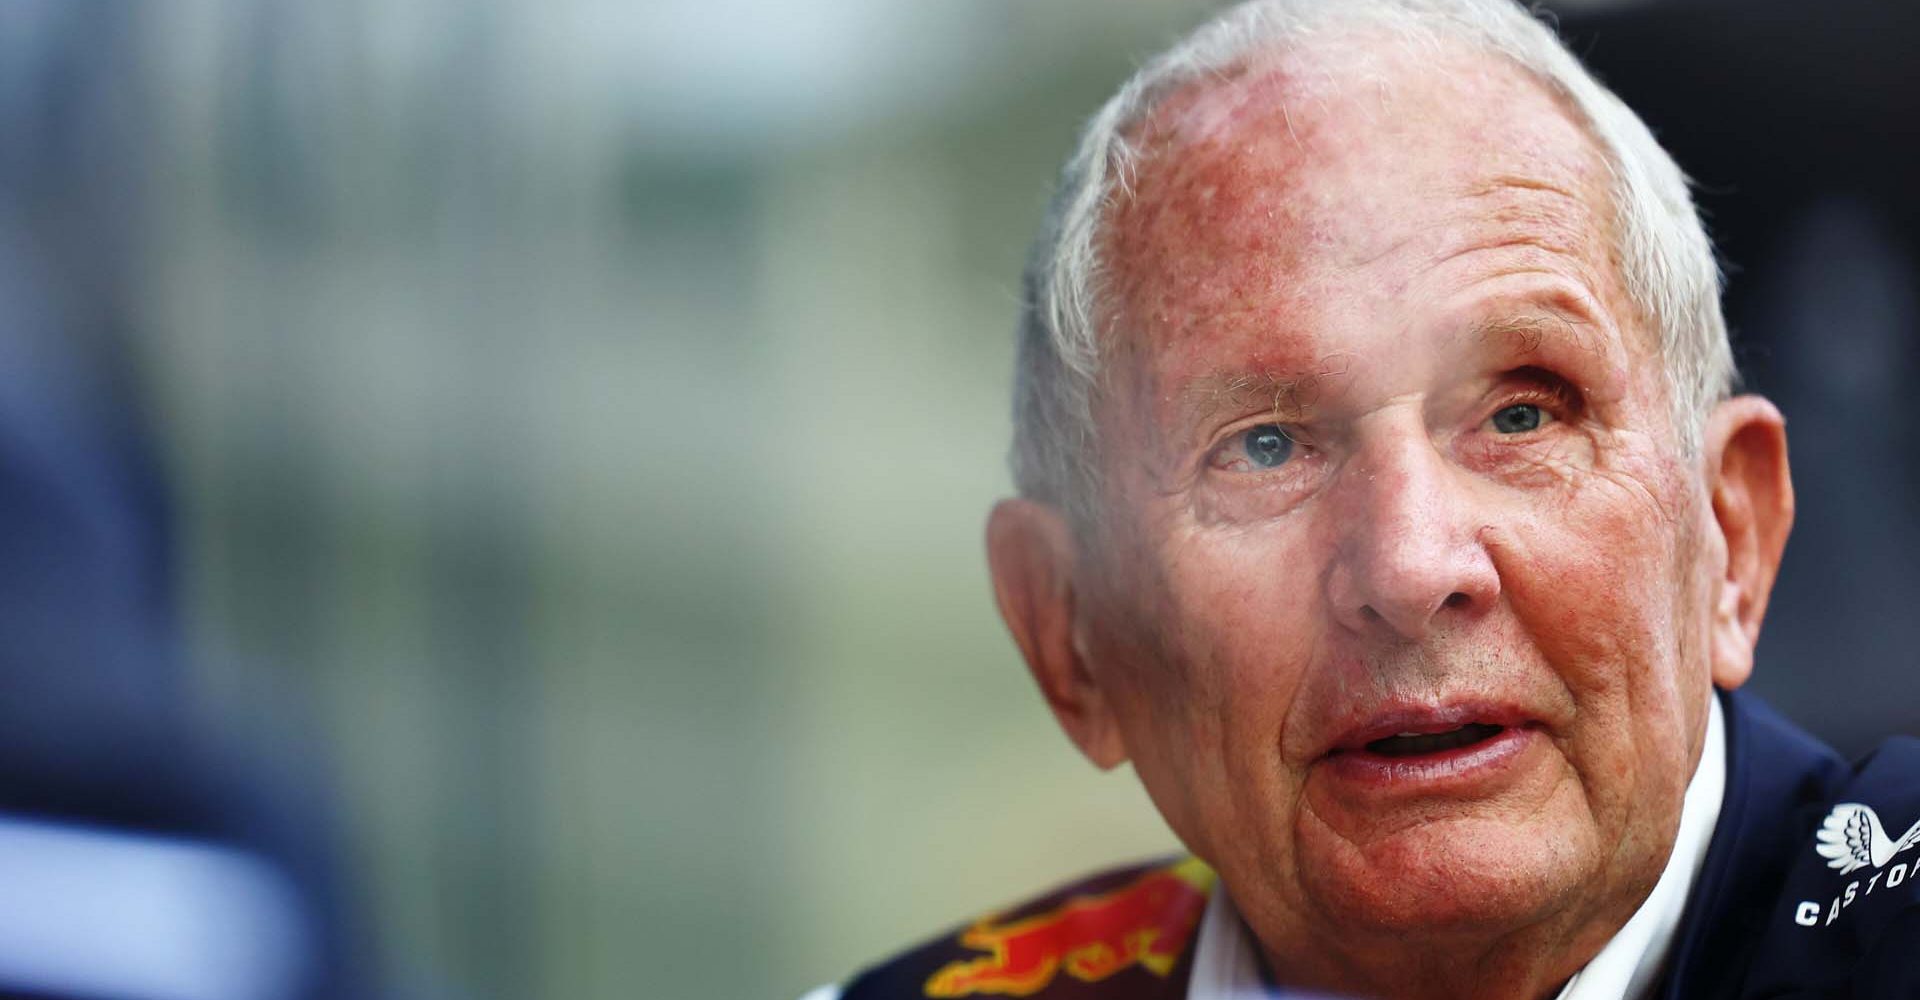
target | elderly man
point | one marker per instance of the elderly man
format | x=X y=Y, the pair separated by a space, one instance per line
x=1385 y=503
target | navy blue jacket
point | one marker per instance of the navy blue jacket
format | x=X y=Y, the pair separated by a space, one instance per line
x=1771 y=916
x=1790 y=902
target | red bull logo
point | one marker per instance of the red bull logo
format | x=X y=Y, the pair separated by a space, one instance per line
x=1146 y=922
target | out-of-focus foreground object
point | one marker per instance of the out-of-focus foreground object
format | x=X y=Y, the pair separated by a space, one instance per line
x=142 y=854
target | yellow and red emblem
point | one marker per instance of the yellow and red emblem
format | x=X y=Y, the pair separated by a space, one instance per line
x=1146 y=922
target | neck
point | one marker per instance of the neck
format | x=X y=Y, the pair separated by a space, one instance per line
x=1531 y=963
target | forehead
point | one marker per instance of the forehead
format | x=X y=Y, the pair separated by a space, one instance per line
x=1270 y=209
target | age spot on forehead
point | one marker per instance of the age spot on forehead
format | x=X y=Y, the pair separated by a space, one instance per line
x=1215 y=210
x=1251 y=188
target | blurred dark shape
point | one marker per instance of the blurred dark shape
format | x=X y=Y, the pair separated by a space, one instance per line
x=115 y=802
x=1800 y=122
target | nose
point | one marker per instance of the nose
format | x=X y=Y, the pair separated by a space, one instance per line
x=1409 y=558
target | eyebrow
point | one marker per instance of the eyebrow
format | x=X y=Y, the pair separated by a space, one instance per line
x=1289 y=396
x=1534 y=328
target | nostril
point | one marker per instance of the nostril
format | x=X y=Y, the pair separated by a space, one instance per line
x=1457 y=600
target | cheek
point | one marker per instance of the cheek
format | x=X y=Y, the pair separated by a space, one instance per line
x=1247 y=614
x=1603 y=589
x=1212 y=628
x=1599 y=571
x=1209 y=693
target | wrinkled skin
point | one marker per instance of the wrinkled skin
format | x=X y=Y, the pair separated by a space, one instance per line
x=1384 y=255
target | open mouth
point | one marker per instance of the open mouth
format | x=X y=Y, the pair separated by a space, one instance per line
x=1417 y=744
x=1459 y=749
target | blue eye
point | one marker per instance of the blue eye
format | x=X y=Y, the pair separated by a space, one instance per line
x=1267 y=446
x=1517 y=419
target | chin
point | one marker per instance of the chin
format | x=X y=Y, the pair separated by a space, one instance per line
x=1466 y=875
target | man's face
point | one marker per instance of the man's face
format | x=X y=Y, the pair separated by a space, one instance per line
x=1402 y=604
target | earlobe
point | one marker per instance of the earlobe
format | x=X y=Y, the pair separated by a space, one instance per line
x=1031 y=554
x=1752 y=487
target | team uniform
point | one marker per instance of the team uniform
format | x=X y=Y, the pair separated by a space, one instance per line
x=1787 y=881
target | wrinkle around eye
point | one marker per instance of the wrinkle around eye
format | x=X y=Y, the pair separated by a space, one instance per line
x=1558 y=453
x=1248 y=494
x=1538 y=463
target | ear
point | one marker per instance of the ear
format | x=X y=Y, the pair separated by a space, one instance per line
x=1746 y=456
x=1031 y=553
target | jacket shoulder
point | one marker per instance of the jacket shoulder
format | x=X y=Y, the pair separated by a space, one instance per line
x=1849 y=920
x=1122 y=934
x=1839 y=913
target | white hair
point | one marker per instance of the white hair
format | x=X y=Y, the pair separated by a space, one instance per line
x=1665 y=259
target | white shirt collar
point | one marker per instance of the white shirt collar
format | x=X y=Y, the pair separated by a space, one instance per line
x=1226 y=965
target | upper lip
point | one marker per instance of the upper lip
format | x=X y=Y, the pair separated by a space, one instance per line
x=1425 y=719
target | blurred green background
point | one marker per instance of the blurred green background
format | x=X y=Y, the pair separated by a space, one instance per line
x=583 y=416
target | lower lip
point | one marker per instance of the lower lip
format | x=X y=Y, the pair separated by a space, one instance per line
x=1462 y=770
